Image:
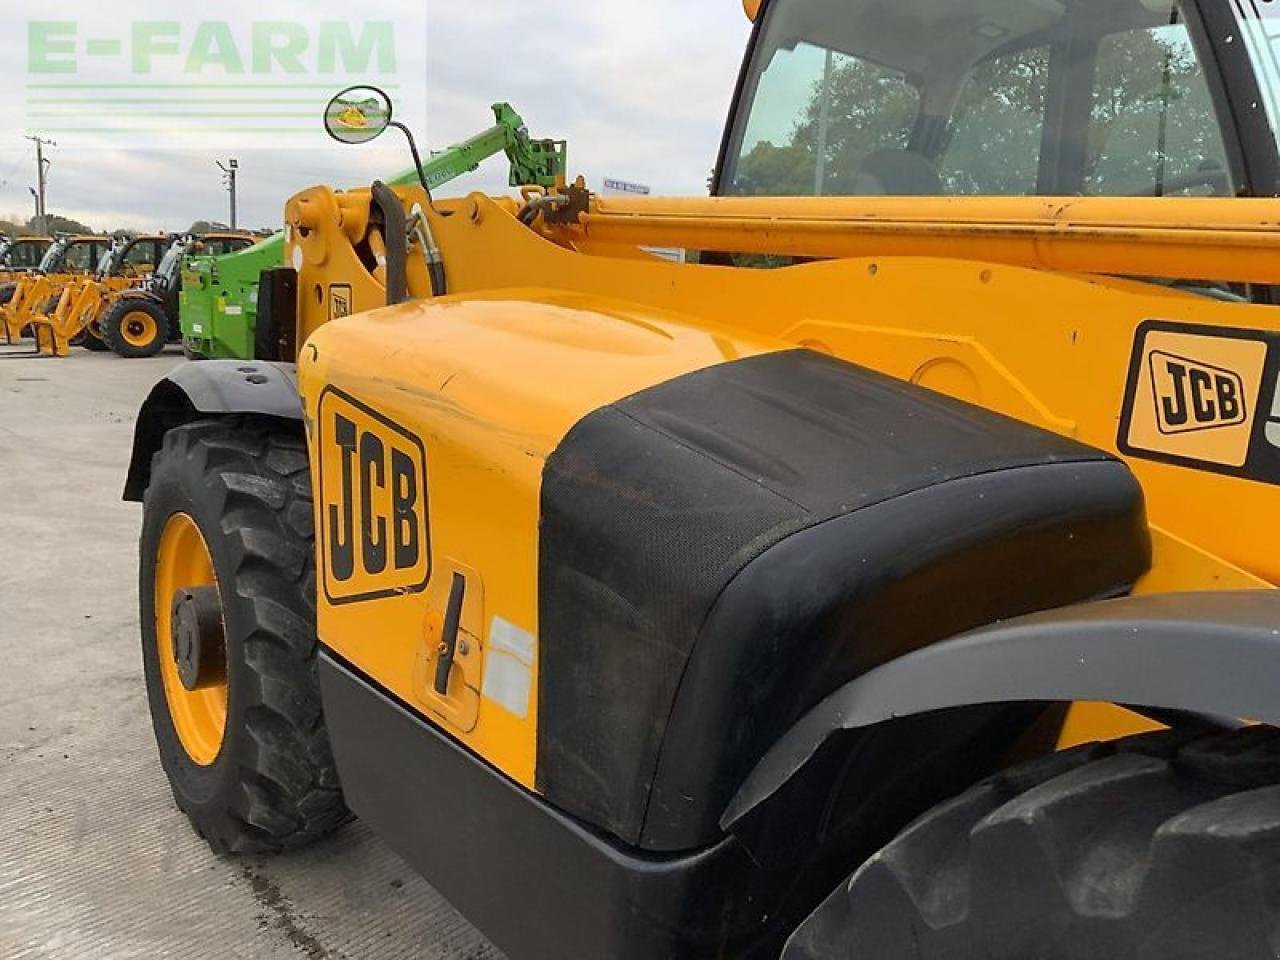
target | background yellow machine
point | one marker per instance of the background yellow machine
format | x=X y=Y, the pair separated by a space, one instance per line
x=127 y=304
x=140 y=320
x=72 y=315
x=66 y=259
x=699 y=610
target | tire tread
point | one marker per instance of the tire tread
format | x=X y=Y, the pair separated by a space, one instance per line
x=288 y=793
x=1162 y=845
x=112 y=331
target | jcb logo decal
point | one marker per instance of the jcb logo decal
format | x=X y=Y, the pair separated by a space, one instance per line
x=339 y=300
x=1194 y=396
x=372 y=511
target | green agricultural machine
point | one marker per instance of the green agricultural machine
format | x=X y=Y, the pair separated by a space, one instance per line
x=220 y=295
x=218 y=306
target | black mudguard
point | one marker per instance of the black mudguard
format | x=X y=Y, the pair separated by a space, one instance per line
x=1212 y=654
x=720 y=552
x=209 y=388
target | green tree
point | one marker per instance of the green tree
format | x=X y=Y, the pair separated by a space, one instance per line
x=993 y=142
x=208 y=226
x=57 y=225
x=778 y=171
x=1152 y=120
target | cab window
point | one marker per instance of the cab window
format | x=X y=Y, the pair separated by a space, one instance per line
x=821 y=119
x=1152 y=127
x=142 y=258
x=82 y=256
x=993 y=142
x=220 y=246
x=27 y=255
x=977 y=97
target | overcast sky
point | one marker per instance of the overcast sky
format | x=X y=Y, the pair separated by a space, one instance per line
x=640 y=90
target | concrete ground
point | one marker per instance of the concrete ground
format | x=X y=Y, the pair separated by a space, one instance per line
x=95 y=860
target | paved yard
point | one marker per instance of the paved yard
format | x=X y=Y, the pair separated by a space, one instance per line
x=95 y=860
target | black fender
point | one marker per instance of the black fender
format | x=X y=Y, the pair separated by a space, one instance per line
x=138 y=293
x=194 y=391
x=1213 y=654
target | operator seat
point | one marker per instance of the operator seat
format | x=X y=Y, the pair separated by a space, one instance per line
x=897 y=173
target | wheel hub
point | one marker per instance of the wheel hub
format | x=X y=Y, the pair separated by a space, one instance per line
x=196 y=629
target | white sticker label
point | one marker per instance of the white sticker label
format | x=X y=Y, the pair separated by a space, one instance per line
x=508 y=666
x=234 y=311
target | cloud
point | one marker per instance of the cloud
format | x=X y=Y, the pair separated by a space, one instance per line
x=640 y=91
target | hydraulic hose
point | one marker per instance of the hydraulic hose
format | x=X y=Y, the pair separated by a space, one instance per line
x=396 y=230
x=420 y=227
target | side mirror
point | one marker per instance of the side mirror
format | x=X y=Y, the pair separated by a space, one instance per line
x=358 y=115
x=361 y=114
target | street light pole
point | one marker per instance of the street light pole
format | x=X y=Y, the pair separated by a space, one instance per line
x=42 y=179
x=229 y=173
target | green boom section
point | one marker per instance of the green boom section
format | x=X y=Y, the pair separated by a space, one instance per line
x=541 y=162
x=219 y=300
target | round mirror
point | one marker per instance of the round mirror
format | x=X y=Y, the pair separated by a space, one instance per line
x=358 y=115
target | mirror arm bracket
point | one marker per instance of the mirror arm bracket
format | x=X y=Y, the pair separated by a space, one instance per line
x=417 y=159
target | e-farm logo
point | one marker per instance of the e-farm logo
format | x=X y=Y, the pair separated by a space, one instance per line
x=238 y=81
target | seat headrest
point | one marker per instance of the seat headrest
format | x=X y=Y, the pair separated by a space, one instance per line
x=897 y=173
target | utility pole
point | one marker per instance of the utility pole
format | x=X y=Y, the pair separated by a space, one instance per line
x=229 y=172
x=42 y=180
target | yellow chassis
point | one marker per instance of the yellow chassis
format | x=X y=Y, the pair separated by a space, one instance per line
x=1020 y=306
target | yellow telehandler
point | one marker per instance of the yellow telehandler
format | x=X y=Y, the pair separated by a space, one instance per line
x=68 y=258
x=893 y=579
x=71 y=316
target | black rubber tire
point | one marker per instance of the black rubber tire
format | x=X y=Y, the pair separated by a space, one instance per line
x=1160 y=846
x=247 y=485
x=112 y=327
x=89 y=340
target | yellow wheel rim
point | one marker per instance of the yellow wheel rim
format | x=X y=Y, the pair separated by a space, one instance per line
x=199 y=716
x=138 y=328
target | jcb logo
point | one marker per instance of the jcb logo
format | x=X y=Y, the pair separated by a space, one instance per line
x=373 y=503
x=339 y=301
x=1195 y=396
